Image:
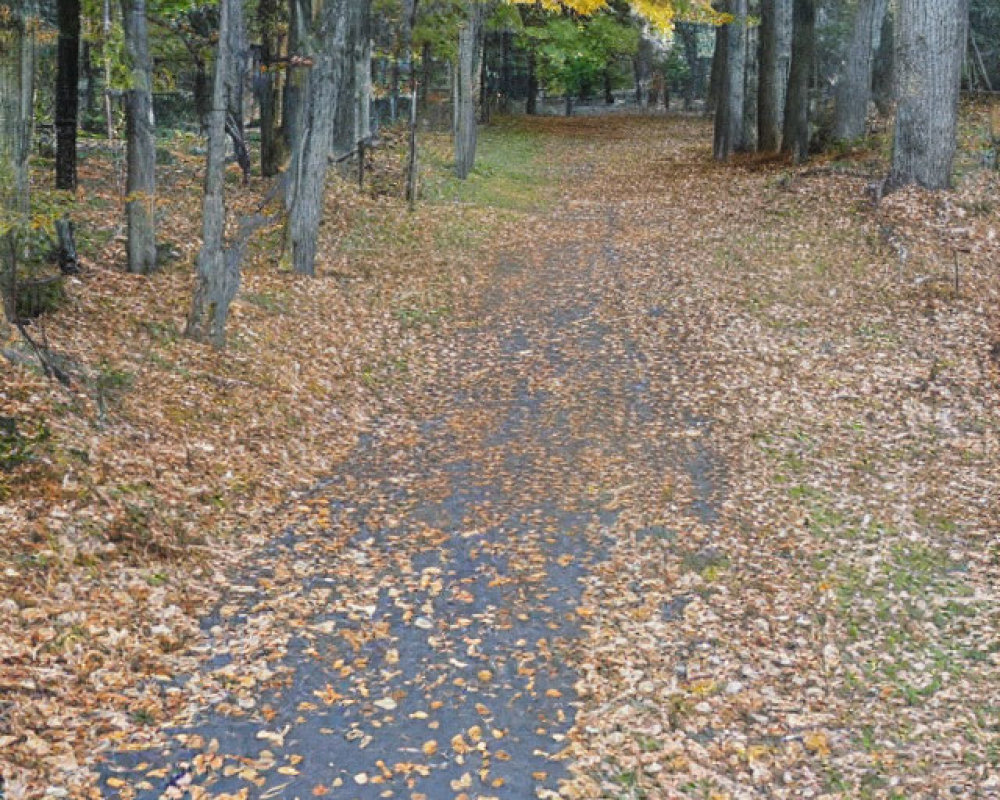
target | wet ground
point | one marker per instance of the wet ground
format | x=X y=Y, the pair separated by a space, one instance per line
x=420 y=643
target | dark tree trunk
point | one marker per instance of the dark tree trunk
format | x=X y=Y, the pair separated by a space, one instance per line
x=729 y=108
x=718 y=69
x=930 y=53
x=854 y=87
x=795 y=133
x=140 y=200
x=469 y=52
x=67 y=92
x=775 y=42
x=237 y=65
x=531 y=104
x=311 y=149
x=425 y=65
x=216 y=285
x=883 y=70
x=271 y=149
x=642 y=63
x=689 y=38
x=506 y=70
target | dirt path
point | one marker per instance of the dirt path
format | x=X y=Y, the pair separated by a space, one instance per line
x=618 y=531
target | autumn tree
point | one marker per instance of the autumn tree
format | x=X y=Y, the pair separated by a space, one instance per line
x=774 y=55
x=930 y=51
x=466 y=88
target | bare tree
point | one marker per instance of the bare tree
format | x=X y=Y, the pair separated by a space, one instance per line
x=930 y=50
x=67 y=97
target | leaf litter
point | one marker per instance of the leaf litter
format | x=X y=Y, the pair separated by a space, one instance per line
x=716 y=519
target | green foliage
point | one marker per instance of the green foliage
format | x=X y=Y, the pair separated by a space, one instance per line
x=573 y=53
x=18 y=447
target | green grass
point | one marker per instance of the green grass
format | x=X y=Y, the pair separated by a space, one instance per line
x=510 y=173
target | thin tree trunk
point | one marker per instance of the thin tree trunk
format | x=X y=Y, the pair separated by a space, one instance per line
x=930 y=53
x=854 y=89
x=311 y=150
x=729 y=107
x=466 y=80
x=109 y=120
x=140 y=199
x=267 y=88
x=531 y=103
x=216 y=286
x=795 y=134
x=67 y=92
x=751 y=81
x=411 y=161
x=689 y=38
x=237 y=62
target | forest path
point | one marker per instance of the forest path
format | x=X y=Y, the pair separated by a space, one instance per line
x=434 y=619
x=674 y=518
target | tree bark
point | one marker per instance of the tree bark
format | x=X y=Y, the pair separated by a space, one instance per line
x=67 y=92
x=531 y=103
x=643 y=69
x=216 y=285
x=884 y=67
x=751 y=81
x=795 y=132
x=17 y=91
x=349 y=126
x=930 y=52
x=854 y=89
x=469 y=43
x=689 y=38
x=775 y=44
x=271 y=145
x=311 y=149
x=411 y=160
x=140 y=200
x=237 y=65
x=729 y=106
x=299 y=18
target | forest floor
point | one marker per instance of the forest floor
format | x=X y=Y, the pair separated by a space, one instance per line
x=611 y=473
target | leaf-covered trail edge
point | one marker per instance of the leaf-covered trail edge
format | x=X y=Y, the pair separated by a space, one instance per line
x=833 y=631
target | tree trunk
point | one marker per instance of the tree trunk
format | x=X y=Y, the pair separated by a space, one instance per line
x=883 y=78
x=17 y=91
x=853 y=91
x=795 y=133
x=67 y=92
x=729 y=107
x=216 y=286
x=751 y=80
x=348 y=127
x=466 y=82
x=140 y=200
x=237 y=65
x=775 y=43
x=299 y=19
x=311 y=150
x=643 y=68
x=411 y=160
x=531 y=103
x=930 y=52
x=688 y=34
x=271 y=149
